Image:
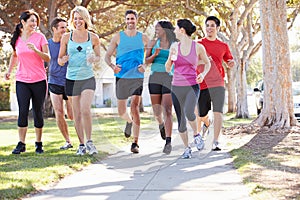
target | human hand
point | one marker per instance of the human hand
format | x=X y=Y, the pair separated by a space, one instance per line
x=200 y=78
x=65 y=59
x=174 y=52
x=90 y=59
x=31 y=46
x=157 y=50
x=7 y=76
x=230 y=63
x=116 y=68
x=142 y=68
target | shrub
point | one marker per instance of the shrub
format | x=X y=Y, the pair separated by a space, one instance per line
x=4 y=96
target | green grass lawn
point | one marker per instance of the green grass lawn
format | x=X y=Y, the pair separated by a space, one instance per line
x=230 y=120
x=25 y=173
x=28 y=172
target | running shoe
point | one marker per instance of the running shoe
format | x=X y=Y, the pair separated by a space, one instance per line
x=187 y=153
x=167 y=148
x=162 y=131
x=199 y=142
x=91 y=147
x=216 y=146
x=67 y=145
x=134 y=148
x=127 y=131
x=21 y=147
x=39 y=147
x=205 y=129
x=81 y=150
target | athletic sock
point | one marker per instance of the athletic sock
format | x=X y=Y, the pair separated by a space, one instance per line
x=168 y=140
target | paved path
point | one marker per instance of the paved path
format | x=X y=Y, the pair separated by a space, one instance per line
x=153 y=175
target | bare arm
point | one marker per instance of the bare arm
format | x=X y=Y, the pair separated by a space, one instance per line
x=230 y=63
x=62 y=56
x=142 y=67
x=44 y=53
x=149 y=56
x=110 y=51
x=12 y=63
x=96 y=47
x=145 y=41
x=169 y=62
x=201 y=52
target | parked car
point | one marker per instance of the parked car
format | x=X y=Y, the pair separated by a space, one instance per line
x=259 y=97
x=296 y=99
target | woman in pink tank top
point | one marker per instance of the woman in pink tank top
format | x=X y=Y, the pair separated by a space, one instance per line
x=185 y=56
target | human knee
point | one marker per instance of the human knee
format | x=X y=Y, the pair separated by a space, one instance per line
x=39 y=123
x=157 y=114
x=191 y=116
x=134 y=104
x=121 y=112
x=22 y=122
x=59 y=113
x=86 y=113
x=182 y=129
x=168 y=111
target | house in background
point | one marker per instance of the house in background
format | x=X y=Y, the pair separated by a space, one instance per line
x=105 y=95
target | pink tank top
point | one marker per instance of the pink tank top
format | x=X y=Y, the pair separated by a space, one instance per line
x=185 y=67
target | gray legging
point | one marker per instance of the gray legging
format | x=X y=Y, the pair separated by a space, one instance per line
x=184 y=101
x=36 y=92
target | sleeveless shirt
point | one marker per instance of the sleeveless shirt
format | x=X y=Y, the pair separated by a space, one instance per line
x=130 y=54
x=185 y=67
x=78 y=68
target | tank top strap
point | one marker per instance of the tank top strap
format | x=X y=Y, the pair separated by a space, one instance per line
x=194 y=47
x=71 y=33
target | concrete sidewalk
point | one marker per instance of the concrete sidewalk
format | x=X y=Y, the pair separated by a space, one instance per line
x=154 y=175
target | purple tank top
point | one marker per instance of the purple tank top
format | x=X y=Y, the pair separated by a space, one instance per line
x=185 y=68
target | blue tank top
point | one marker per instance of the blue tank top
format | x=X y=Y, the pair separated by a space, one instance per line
x=57 y=73
x=78 y=69
x=159 y=61
x=130 y=54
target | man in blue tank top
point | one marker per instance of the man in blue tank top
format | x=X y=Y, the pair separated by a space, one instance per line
x=57 y=81
x=129 y=71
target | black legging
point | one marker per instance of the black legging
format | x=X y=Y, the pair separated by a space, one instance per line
x=184 y=100
x=36 y=92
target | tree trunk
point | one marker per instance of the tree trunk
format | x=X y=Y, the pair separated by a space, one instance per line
x=48 y=108
x=231 y=76
x=242 y=104
x=278 y=111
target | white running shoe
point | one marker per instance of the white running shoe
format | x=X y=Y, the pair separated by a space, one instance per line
x=199 y=142
x=91 y=147
x=81 y=150
x=216 y=146
x=67 y=145
x=187 y=153
x=205 y=129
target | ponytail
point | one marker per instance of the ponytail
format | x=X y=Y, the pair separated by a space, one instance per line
x=16 y=34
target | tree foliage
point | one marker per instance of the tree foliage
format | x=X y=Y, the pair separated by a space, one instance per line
x=239 y=28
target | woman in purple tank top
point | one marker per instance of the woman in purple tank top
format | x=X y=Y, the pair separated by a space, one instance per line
x=185 y=55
